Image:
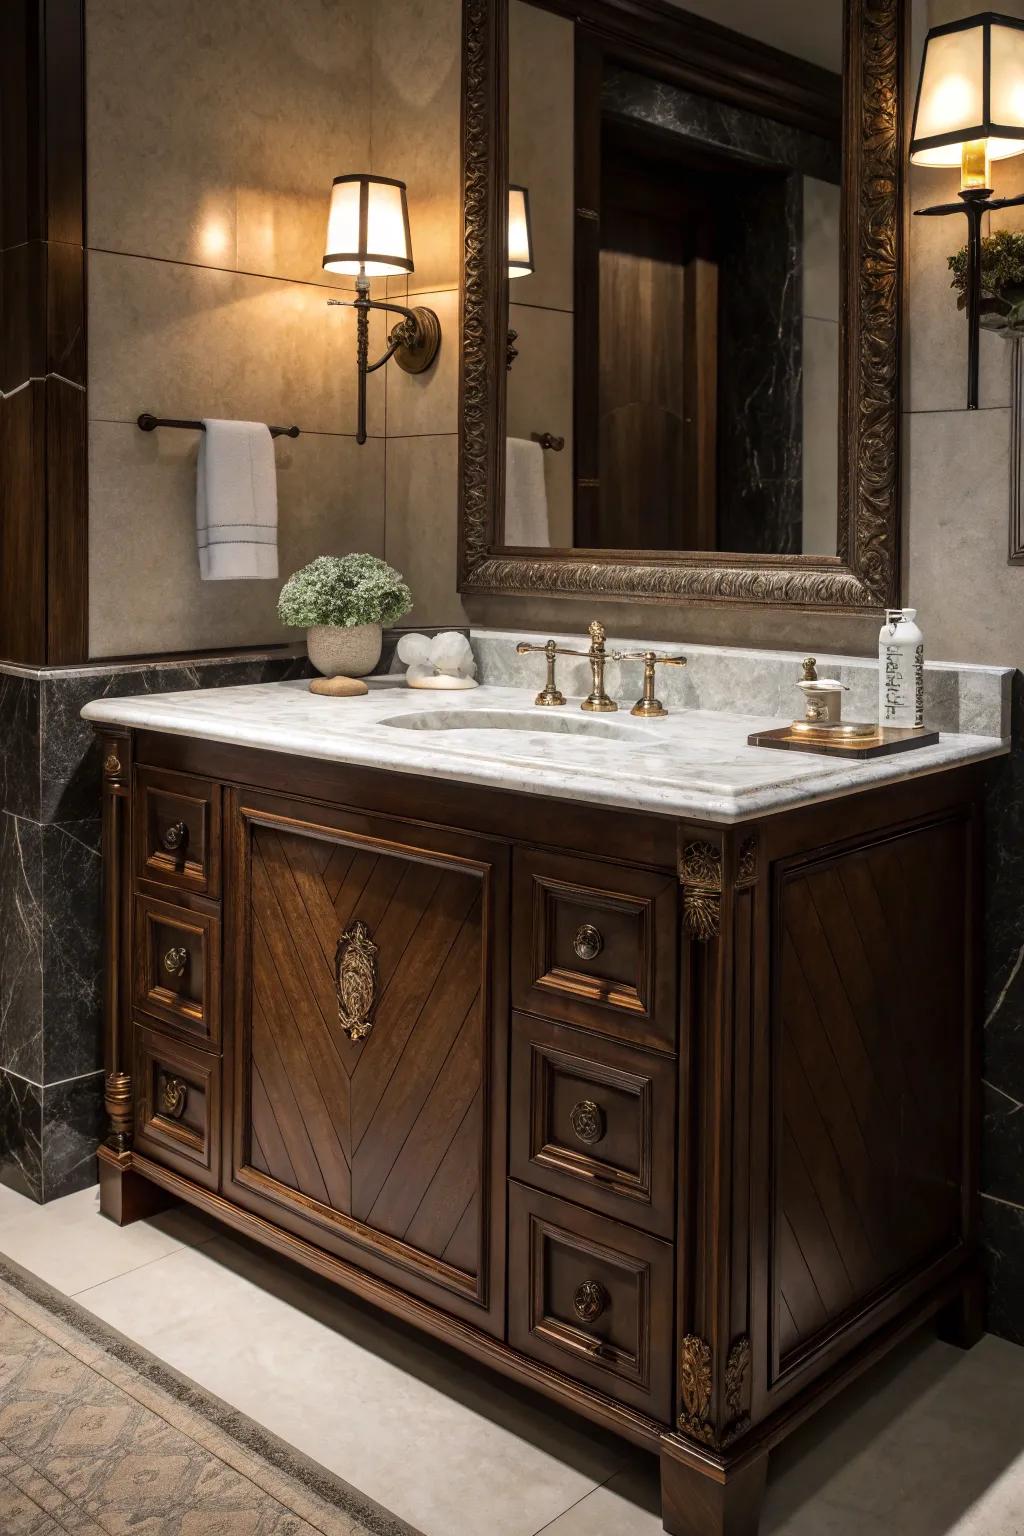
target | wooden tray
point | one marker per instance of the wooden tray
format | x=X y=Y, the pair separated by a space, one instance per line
x=886 y=741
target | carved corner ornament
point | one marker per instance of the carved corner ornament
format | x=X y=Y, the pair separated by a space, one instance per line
x=357 y=980
x=700 y=871
x=695 y=1384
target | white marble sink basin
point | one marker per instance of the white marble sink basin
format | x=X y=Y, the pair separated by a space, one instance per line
x=514 y=720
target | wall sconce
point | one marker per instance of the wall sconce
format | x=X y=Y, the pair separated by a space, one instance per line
x=969 y=112
x=368 y=236
x=520 y=250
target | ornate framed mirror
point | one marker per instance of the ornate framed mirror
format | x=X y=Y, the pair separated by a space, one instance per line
x=688 y=389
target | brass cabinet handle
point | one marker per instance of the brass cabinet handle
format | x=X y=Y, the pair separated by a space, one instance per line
x=175 y=960
x=588 y=942
x=357 y=980
x=175 y=837
x=173 y=1097
x=589 y=1301
x=587 y=1121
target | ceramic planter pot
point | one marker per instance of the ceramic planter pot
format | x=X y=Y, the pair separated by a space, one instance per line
x=337 y=652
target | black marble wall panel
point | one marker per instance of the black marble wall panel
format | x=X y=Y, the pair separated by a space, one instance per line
x=19 y=745
x=1002 y=1171
x=21 y=1135
x=73 y=1125
x=21 y=946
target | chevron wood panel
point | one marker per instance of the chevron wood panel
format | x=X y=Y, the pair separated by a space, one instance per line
x=868 y=1067
x=388 y=1131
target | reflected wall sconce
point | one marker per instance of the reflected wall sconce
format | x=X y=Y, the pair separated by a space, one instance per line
x=970 y=112
x=368 y=236
x=520 y=250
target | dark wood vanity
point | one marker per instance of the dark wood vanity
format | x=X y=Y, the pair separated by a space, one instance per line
x=672 y=1122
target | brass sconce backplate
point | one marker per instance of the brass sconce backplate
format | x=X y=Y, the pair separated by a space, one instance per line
x=420 y=341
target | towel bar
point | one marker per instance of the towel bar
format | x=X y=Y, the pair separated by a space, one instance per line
x=548 y=440
x=149 y=423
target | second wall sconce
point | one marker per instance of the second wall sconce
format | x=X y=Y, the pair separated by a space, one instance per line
x=520 y=249
x=970 y=112
x=368 y=236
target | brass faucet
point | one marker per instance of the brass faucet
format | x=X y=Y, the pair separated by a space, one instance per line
x=597 y=701
x=648 y=707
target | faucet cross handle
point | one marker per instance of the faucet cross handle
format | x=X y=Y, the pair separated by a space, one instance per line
x=647 y=706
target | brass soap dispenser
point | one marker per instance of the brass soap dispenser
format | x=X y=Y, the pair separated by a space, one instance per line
x=823 y=708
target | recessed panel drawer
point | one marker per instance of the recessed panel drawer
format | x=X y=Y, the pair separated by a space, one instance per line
x=591 y=1297
x=601 y=1122
x=176 y=968
x=178 y=831
x=595 y=944
x=177 y=1105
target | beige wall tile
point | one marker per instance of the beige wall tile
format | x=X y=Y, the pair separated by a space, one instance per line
x=145 y=591
x=956 y=507
x=821 y=437
x=428 y=402
x=214 y=131
x=540 y=399
x=417 y=102
x=542 y=147
x=422 y=526
x=193 y=342
x=822 y=224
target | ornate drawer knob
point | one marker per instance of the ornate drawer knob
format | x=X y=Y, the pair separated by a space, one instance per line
x=173 y=1097
x=587 y=1121
x=588 y=942
x=175 y=837
x=175 y=960
x=589 y=1301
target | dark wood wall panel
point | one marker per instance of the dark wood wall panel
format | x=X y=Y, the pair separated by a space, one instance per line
x=868 y=1072
x=43 y=484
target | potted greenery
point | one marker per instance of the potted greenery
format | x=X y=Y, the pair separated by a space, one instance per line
x=1002 y=281
x=341 y=602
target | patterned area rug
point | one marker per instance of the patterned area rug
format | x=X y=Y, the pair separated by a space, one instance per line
x=99 y=1438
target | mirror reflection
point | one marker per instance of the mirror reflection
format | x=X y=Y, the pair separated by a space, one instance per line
x=674 y=288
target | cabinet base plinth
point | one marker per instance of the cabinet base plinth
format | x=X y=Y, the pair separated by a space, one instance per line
x=125 y=1196
x=962 y=1321
x=711 y=1502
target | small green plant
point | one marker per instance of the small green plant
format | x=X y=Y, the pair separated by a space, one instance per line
x=1002 y=275
x=344 y=590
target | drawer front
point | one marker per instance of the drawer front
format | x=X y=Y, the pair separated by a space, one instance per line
x=177 y=1105
x=593 y=1298
x=177 y=971
x=594 y=1121
x=178 y=831
x=595 y=944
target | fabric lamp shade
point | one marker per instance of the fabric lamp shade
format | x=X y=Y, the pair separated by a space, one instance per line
x=520 y=234
x=368 y=227
x=971 y=91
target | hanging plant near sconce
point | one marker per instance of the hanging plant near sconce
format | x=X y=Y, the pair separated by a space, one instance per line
x=1002 y=282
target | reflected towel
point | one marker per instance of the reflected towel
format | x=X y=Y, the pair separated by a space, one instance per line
x=526 y=496
x=236 y=502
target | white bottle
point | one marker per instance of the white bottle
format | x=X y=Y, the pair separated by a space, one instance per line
x=900 y=670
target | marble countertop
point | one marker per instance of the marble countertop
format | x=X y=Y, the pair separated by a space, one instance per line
x=695 y=764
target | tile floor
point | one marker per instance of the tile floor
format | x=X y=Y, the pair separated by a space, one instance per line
x=929 y=1444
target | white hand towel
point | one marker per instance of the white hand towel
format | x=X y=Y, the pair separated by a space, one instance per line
x=236 y=502
x=526 y=496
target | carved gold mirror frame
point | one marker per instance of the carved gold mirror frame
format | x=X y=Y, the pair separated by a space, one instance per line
x=865 y=574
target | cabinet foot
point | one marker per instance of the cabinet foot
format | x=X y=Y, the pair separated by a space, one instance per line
x=125 y=1196
x=962 y=1321
x=714 y=1502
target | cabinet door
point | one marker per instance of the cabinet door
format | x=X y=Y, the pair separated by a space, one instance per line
x=369 y=1043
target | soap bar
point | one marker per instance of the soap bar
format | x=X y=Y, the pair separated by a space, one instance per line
x=339 y=687
x=441 y=682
